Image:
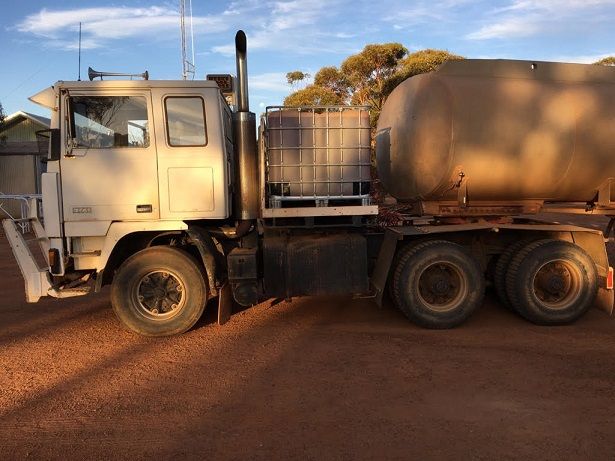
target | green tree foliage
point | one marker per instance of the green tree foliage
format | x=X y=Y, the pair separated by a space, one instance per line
x=424 y=61
x=368 y=71
x=313 y=95
x=359 y=80
x=419 y=62
x=608 y=61
x=296 y=76
x=2 y=117
x=368 y=77
x=330 y=77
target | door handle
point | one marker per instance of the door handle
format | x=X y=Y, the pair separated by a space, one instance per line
x=144 y=208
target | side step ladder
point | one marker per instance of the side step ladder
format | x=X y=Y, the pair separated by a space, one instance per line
x=37 y=279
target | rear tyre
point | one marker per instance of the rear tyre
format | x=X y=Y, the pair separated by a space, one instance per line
x=391 y=282
x=437 y=284
x=159 y=291
x=501 y=269
x=552 y=282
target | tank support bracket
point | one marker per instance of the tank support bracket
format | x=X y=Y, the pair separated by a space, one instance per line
x=604 y=194
x=462 y=190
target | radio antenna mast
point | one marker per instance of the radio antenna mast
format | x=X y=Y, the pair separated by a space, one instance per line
x=79 y=71
x=188 y=68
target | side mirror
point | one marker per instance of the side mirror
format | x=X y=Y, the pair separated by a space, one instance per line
x=55 y=146
x=49 y=144
x=72 y=130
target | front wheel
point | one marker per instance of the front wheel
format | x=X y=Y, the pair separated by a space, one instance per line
x=437 y=284
x=159 y=291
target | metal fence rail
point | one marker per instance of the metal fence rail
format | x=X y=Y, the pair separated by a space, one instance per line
x=30 y=207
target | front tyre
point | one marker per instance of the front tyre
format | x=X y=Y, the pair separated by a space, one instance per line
x=437 y=284
x=159 y=291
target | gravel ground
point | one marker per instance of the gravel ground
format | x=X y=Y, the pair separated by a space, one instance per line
x=316 y=378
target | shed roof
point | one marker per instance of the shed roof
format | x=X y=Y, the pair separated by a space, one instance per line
x=18 y=139
x=20 y=115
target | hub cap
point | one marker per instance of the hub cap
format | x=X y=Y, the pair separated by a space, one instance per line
x=160 y=295
x=557 y=284
x=442 y=286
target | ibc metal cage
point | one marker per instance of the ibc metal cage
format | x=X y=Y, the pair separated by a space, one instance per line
x=316 y=156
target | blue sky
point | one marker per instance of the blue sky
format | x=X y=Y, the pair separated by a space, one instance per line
x=39 y=37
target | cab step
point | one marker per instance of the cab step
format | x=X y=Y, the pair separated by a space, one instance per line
x=68 y=292
x=37 y=280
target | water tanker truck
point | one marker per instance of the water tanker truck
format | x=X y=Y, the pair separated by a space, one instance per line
x=168 y=192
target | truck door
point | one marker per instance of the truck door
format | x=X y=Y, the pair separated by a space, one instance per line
x=109 y=166
x=192 y=159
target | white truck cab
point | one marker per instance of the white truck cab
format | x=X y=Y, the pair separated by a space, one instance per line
x=134 y=152
x=132 y=165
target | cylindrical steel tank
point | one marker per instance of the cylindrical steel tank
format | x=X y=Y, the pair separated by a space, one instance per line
x=516 y=130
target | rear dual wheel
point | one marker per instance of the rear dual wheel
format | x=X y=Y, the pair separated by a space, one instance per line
x=551 y=282
x=437 y=284
x=501 y=269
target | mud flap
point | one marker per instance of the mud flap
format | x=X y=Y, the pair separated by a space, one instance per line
x=225 y=304
x=604 y=300
x=383 y=265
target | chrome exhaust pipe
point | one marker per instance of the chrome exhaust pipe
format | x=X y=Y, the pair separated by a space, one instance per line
x=246 y=158
x=241 y=47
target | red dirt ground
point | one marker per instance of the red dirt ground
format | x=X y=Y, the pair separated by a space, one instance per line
x=317 y=378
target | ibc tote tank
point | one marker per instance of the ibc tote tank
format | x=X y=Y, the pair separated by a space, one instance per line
x=518 y=130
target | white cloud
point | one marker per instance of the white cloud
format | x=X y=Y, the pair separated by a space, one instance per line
x=104 y=24
x=552 y=5
x=227 y=50
x=277 y=25
x=523 y=18
x=297 y=26
x=422 y=12
x=581 y=59
x=270 y=81
x=510 y=27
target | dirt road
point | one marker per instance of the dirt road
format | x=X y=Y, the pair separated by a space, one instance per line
x=318 y=378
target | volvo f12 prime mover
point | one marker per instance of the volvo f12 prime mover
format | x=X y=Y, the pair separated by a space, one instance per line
x=167 y=191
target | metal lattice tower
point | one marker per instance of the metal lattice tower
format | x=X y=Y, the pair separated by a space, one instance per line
x=188 y=67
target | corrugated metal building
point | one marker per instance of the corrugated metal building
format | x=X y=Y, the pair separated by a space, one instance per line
x=21 y=164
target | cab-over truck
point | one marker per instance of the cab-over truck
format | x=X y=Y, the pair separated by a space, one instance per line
x=165 y=191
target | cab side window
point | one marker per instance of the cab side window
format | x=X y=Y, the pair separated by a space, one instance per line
x=185 y=118
x=109 y=121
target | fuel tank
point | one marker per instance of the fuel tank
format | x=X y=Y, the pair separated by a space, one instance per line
x=513 y=130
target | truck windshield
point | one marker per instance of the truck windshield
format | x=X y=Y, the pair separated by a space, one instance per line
x=110 y=121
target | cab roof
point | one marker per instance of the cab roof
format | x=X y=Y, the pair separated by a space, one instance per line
x=47 y=97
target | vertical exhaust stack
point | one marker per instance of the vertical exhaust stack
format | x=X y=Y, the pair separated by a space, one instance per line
x=241 y=45
x=246 y=159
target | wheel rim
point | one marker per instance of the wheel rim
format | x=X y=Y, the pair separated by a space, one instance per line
x=160 y=295
x=557 y=284
x=442 y=286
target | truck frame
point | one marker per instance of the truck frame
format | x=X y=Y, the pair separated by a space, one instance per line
x=162 y=190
